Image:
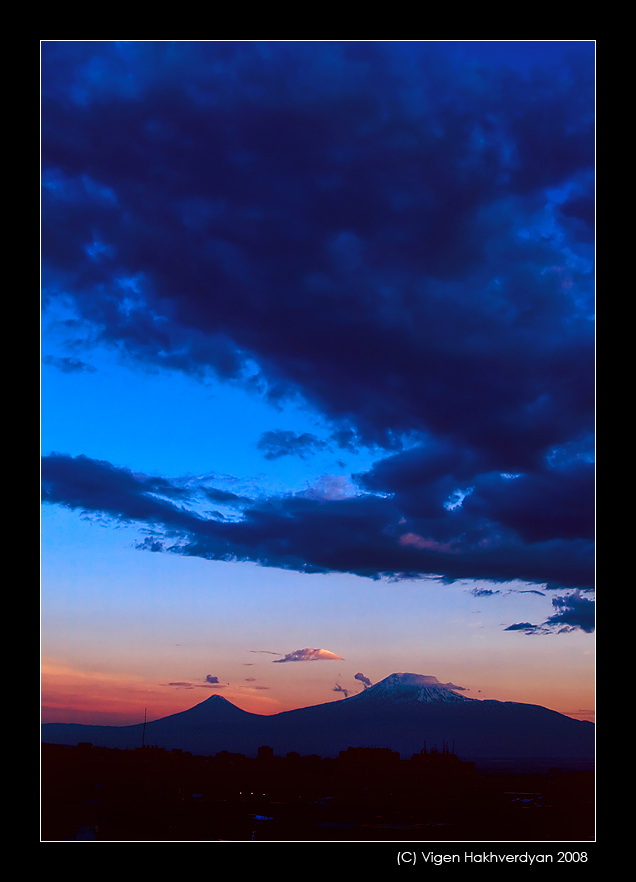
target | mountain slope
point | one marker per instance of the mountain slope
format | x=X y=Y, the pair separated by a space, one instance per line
x=404 y=712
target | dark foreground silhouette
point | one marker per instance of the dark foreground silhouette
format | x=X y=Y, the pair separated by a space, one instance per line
x=153 y=794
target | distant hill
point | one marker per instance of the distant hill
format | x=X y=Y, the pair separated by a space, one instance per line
x=404 y=712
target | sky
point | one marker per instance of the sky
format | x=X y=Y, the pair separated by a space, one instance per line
x=317 y=383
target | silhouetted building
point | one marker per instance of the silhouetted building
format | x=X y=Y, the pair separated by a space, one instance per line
x=369 y=755
x=444 y=762
x=265 y=753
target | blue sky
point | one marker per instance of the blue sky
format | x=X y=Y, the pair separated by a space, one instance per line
x=317 y=371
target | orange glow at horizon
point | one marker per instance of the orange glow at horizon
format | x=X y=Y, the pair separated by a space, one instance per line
x=69 y=695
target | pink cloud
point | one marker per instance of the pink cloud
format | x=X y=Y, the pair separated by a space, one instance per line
x=422 y=542
x=310 y=655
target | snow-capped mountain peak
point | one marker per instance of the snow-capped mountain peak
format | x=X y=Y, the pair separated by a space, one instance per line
x=415 y=687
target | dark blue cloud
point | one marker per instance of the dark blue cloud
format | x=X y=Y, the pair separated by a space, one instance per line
x=575 y=613
x=68 y=364
x=399 y=233
x=367 y=535
x=277 y=443
x=362 y=220
x=526 y=627
x=225 y=497
x=364 y=680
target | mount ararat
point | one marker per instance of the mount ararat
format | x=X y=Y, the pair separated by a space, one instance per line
x=404 y=712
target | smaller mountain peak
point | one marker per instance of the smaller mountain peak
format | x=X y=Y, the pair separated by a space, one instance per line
x=215 y=707
x=217 y=698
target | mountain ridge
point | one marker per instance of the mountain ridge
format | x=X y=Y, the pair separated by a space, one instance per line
x=403 y=712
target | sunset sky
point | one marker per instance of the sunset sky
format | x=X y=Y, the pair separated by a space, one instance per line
x=317 y=385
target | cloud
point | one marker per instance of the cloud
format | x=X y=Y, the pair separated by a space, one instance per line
x=252 y=681
x=212 y=682
x=423 y=543
x=339 y=688
x=309 y=655
x=433 y=681
x=390 y=231
x=329 y=487
x=225 y=497
x=359 y=534
x=527 y=628
x=575 y=613
x=390 y=235
x=483 y=592
x=409 y=254
x=280 y=443
x=364 y=680
x=96 y=485
x=69 y=365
